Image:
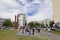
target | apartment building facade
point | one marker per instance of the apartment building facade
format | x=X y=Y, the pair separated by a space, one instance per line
x=56 y=10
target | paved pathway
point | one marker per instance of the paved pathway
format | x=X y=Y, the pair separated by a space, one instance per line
x=44 y=35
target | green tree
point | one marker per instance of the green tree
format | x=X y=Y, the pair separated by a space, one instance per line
x=37 y=24
x=34 y=24
x=31 y=24
x=8 y=23
x=42 y=25
x=51 y=24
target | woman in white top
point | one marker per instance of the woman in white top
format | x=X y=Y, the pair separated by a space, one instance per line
x=49 y=32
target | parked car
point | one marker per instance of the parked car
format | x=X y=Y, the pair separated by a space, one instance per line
x=57 y=26
x=3 y=28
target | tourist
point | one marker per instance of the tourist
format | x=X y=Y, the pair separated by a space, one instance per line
x=38 y=30
x=33 y=31
x=49 y=32
x=22 y=29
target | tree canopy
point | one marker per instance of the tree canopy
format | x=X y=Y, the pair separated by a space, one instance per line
x=35 y=24
x=51 y=23
x=8 y=23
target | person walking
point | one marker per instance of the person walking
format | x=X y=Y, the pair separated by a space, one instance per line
x=49 y=32
x=33 y=31
x=38 y=30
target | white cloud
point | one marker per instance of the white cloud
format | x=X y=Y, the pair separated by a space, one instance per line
x=9 y=15
x=9 y=8
x=12 y=3
x=44 y=12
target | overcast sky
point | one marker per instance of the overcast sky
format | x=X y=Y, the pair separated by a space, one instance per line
x=35 y=9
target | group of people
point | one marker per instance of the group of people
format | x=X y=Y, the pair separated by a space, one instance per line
x=27 y=30
x=31 y=31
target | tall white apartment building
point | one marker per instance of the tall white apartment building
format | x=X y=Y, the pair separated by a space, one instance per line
x=22 y=19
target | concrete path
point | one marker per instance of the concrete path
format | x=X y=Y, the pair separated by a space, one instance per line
x=44 y=35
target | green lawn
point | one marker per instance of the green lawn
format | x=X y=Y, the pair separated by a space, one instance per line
x=56 y=32
x=11 y=35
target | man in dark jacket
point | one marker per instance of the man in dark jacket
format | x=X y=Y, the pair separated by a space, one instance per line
x=33 y=31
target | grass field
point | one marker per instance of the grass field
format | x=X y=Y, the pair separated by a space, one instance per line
x=11 y=35
x=56 y=32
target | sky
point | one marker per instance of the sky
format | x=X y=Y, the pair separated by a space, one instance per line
x=35 y=9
